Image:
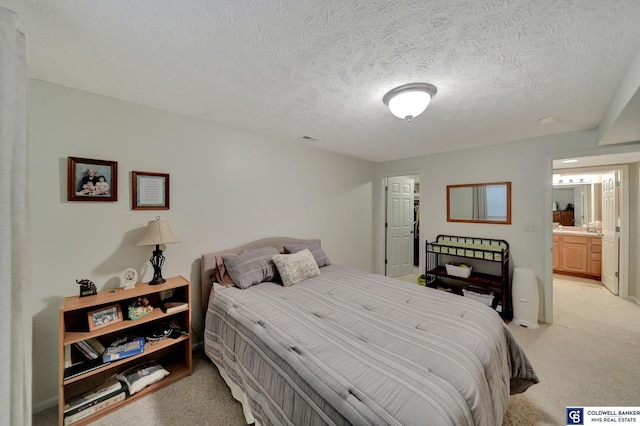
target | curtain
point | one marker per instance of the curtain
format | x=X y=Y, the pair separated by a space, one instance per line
x=15 y=309
x=479 y=202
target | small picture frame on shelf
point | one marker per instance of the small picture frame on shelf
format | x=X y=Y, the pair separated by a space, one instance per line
x=104 y=316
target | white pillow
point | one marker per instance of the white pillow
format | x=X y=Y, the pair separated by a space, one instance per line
x=296 y=267
x=142 y=375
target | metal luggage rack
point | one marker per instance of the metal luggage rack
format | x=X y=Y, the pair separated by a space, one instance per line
x=439 y=252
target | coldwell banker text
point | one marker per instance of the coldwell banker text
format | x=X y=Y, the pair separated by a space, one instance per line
x=599 y=415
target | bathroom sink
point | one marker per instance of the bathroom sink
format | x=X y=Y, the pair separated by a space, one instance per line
x=567 y=231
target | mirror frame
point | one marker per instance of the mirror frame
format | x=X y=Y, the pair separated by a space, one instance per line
x=471 y=185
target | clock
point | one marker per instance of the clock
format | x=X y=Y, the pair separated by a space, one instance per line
x=128 y=278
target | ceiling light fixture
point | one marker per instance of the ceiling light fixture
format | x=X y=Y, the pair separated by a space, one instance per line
x=410 y=100
x=548 y=120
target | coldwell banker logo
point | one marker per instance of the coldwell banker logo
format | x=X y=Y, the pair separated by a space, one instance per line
x=574 y=416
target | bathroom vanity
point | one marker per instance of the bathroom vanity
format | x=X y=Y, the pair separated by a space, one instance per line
x=577 y=253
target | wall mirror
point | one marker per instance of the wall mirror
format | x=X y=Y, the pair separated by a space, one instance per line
x=479 y=203
x=584 y=198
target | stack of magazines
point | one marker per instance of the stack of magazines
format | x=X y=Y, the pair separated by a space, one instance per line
x=105 y=395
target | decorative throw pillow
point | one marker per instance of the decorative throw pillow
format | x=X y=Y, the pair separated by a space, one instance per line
x=314 y=247
x=221 y=275
x=251 y=267
x=296 y=267
x=142 y=375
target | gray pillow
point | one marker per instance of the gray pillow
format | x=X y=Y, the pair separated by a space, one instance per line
x=314 y=247
x=297 y=267
x=251 y=267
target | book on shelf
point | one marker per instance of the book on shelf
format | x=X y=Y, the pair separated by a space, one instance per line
x=169 y=306
x=96 y=345
x=86 y=349
x=124 y=348
x=82 y=367
x=77 y=363
x=91 y=348
x=73 y=355
x=67 y=356
x=73 y=418
x=111 y=387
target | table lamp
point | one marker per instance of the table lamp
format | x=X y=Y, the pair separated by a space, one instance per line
x=158 y=232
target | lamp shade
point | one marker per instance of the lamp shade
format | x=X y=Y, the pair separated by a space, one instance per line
x=158 y=232
x=410 y=100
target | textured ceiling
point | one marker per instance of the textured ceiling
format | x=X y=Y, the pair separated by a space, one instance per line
x=320 y=68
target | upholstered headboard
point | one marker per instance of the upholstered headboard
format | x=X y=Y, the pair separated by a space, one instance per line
x=209 y=260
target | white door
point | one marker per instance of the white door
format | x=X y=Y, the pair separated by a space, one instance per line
x=399 y=258
x=610 y=232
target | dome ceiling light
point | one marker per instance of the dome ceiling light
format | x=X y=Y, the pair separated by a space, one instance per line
x=410 y=100
x=548 y=120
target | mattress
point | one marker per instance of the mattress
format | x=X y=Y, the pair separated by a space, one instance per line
x=348 y=347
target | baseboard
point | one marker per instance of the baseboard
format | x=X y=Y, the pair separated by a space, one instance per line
x=41 y=406
x=196 y=346
x=634 y=299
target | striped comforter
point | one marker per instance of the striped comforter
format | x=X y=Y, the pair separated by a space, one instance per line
x=349 y=347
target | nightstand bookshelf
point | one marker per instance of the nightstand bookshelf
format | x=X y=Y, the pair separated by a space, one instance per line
x=173 y=354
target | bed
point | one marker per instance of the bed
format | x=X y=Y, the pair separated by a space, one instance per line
x=349 y=347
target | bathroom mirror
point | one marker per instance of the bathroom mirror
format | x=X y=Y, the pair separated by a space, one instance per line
x=479 y=203
x=585 y=199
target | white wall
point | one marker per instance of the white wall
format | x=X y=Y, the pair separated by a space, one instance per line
x=527 y=164
x=228 y=187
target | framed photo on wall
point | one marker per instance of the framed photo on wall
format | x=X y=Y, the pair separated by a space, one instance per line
x=150 y=191
x=92 y=180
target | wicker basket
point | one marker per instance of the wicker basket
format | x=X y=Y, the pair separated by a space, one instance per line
x=486 y=299
x=457 y=271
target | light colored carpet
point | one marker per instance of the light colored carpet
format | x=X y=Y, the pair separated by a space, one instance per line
x=588 y=357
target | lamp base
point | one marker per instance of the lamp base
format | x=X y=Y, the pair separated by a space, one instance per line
x=157 y=260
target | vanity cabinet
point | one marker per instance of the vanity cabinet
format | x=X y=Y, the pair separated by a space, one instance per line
x=578 y=255
x=575 y=254
x=595 y=254
x=556 y=252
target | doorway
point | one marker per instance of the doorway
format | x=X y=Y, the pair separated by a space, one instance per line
x=611 y=170
x=586 y=221
x=401 y=225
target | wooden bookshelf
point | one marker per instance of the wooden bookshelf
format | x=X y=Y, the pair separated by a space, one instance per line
x=173 y=354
